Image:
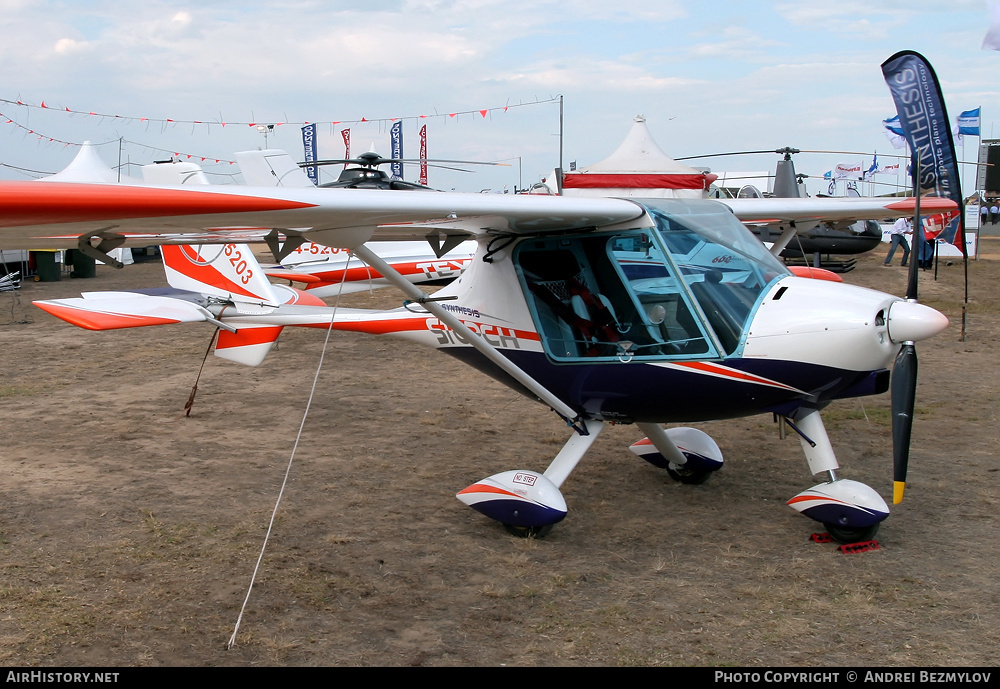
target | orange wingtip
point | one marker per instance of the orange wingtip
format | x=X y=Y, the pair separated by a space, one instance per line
x=815 y=273
x=927 y=204
x=28 y=203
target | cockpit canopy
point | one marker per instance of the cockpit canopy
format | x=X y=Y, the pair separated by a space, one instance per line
x=684 y=289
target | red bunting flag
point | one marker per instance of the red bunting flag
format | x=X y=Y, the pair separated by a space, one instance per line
x=423 y=155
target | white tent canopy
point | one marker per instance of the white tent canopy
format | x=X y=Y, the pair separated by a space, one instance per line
x=638 y=168
x=87 y=166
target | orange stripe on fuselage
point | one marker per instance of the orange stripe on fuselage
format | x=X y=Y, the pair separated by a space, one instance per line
x=389 y=326
x=732 y=373
x=380 y=327
x=359 y=273
x=44 y=203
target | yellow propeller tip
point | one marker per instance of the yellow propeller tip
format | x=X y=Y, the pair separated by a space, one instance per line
x=897 y=491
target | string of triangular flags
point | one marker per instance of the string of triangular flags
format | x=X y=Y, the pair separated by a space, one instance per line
x=482 y=112
x=10 y=120
x=5 y=119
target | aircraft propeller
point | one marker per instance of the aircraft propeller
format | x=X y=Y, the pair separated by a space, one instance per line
x=909 y=322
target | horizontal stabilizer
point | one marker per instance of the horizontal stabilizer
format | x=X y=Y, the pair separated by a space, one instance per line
x=114 y=310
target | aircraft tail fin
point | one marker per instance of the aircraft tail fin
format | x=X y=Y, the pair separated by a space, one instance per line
x=249 y=345
x=230 y=272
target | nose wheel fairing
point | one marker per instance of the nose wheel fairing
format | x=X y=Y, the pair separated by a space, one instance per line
x=849 y=509
x=842 y=504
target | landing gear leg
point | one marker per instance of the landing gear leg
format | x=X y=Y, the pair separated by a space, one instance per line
x=688 y=454
x=850 y=511
x=528 y=503
x=573 y=451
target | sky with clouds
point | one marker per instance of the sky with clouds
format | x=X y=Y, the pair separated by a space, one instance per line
x=485 y=76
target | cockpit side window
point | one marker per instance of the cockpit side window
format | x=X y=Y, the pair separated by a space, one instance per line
x=607 y=297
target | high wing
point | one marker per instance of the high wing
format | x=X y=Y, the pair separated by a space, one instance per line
x=55 y=216
x=829 y=209
x=787 y=217
x=66 y=215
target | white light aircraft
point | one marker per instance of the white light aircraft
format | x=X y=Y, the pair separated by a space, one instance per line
x=605 y=310
x=326 y=270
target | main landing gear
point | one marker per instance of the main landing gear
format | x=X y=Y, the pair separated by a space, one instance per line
x=529 y=504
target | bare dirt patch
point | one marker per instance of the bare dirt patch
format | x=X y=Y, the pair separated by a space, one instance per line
x=128 y=533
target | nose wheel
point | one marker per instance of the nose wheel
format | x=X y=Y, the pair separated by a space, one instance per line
x=528 y=531
x=848 y=535
x=691 y=477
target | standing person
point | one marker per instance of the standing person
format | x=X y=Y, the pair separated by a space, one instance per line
x=900 y=229
x=994 y=211
x=984 y=212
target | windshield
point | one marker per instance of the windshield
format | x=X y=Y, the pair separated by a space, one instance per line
x=723 y=264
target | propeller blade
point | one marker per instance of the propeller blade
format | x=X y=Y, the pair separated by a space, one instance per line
x=911 y=279
x=903 y=387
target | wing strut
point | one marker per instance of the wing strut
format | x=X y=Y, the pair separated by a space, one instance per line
x=484 y=347
x=784 y=239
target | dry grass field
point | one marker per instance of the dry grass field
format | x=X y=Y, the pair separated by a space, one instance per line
x=128 y=532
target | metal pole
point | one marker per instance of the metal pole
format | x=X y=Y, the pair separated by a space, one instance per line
x=560 y=138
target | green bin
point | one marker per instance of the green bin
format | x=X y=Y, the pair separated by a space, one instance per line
x=83 y=266
x=47 y=268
